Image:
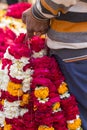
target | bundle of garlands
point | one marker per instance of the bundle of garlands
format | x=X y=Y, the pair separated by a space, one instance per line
x=34 y=95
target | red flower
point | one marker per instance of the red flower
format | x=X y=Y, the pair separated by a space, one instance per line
x=69 y=105
x=26 y=122
x=5 y=62
x=41 y=72
x=43 y=118
x=9 y=33
x=10 y=98
x=20 y=48
x=19 y=51
x=26 y=67
x=43 y=82
x=43 y=62
x=37 y=43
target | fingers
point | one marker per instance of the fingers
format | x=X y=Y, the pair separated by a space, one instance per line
x=34 y=26
x=29 y=35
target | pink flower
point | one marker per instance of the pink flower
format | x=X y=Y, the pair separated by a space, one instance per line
x=17 y=9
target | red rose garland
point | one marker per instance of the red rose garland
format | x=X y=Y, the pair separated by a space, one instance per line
x=34 y=95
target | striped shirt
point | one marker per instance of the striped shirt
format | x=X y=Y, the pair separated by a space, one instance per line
x=68 y=31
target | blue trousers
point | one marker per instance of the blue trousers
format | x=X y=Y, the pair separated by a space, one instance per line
x=76 y=77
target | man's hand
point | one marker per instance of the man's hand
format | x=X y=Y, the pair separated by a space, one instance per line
x=33 y=25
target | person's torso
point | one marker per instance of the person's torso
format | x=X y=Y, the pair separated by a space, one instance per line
x=69 y=31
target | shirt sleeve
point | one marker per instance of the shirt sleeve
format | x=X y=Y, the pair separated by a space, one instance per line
x=46 y=9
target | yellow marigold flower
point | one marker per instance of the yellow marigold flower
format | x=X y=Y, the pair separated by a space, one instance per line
x=62 y=88
x=14 y=89
x=56 y=106
x=7 y=127
x=41 y=92
x=76 y=124
x=25 y=99
x=43 y=127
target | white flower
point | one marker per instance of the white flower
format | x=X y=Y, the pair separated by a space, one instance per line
x=27 y=80
x=39 y=54
x=26 y=83
x=11 y=109
x=4 y=79
x=43 y=100
x=57 y=110
x=16 y=25
x=22 y=60
x=65 y=95
x=16 y=70
x=7 y=55
x=2 y=118
x=23 y=111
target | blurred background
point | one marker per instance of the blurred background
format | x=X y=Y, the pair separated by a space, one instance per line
x=5 y=3
x=13 y=1
x=11 y=24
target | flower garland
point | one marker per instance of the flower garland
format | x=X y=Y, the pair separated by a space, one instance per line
x=34 y=95
x=15 y=87
x=55 y=108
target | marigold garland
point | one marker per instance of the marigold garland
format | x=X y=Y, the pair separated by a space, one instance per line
x=34 y=95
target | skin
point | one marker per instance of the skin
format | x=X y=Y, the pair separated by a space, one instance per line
x=33 y=25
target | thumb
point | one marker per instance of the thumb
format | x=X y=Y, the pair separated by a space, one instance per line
x=24 y=18
x=29 y=35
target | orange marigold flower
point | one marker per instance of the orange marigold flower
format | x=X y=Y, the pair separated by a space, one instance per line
x=62 y=88
x=7 y=127
x=76 y=124
x=25 y=99
x=41 y=92
x=43 y=127
x=15 y=89
x=56 y=106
